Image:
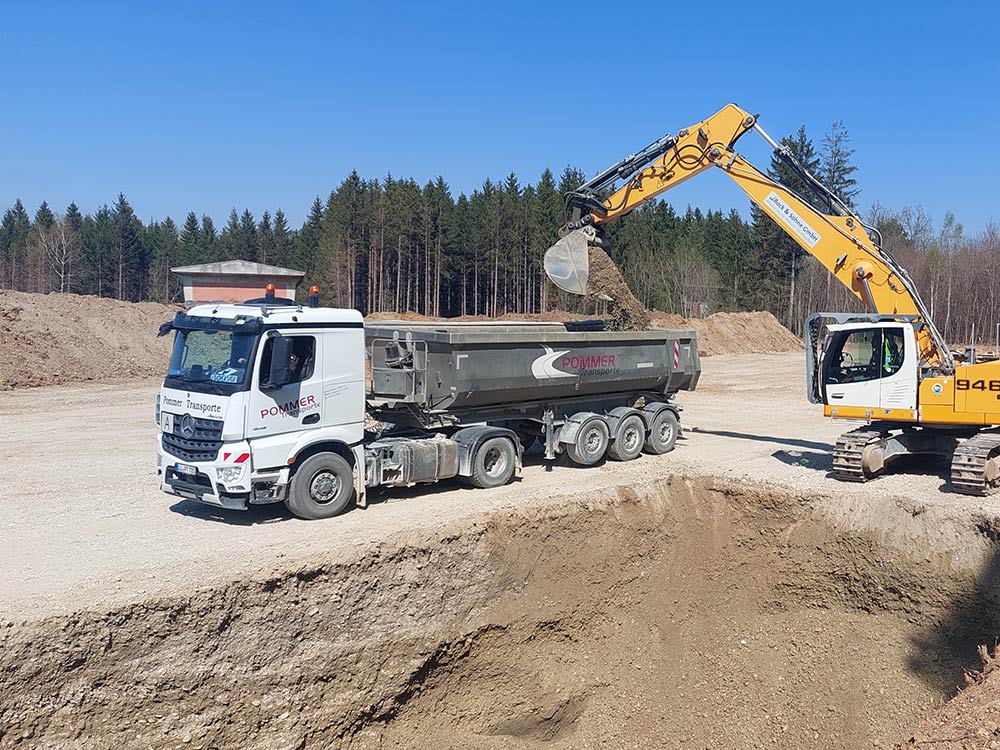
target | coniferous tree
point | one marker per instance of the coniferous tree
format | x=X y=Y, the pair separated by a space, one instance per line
x=189 y=249
x=129 y=258
x=781 y=255
x=16 y=237
x=74 y=228
x=306 y=247
x=282 y=237
x=209 y=239
x=265 y=239
x=836 y=169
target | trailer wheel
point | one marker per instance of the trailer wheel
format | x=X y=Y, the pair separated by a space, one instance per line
x=631 y=436
x=494 y=463
x=322 y=487
x=591 y=442
x=663 y=433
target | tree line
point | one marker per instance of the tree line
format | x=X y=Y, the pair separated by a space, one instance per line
x=392 y=244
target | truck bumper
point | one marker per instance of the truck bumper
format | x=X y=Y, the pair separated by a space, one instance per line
x=201 y=481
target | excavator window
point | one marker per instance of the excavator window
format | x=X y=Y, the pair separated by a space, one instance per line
x=853 y=356
x=863 y=354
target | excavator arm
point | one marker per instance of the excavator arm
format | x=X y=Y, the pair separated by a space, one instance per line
x=839 y=240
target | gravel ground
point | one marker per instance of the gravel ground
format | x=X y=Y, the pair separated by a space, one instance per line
x=86 y=526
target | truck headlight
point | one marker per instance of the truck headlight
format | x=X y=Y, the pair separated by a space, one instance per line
x=230 y=474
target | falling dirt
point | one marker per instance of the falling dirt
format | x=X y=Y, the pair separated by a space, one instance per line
x=680 y=613
x=605 y=281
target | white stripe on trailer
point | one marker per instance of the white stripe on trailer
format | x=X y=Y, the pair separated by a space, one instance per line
x=644 y=365
x=677 y=354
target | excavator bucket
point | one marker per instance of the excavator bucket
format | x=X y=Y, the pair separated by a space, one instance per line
x=567 y=262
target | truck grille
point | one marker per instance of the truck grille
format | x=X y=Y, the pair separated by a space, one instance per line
x=203 y=445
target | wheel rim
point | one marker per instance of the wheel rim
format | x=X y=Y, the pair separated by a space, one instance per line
x=495 y=462
x=324 y=487
x=666 y=431
x=593 y=440
x=631 y=439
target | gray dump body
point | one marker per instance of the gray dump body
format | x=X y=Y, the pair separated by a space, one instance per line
x=436 y=368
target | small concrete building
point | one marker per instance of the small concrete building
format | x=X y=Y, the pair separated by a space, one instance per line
x=235 y=281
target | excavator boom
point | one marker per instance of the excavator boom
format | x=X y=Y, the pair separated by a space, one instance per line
x=839 y=240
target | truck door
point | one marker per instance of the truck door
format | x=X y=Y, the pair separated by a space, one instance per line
x=292 y=407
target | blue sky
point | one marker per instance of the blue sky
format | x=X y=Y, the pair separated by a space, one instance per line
x=205 y=106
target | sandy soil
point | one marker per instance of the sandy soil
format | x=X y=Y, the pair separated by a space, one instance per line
x=725 y=595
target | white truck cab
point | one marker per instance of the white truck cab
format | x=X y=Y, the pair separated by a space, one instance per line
x=252 y=389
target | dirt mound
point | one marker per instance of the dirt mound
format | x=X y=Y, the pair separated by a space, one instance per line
x=67 y=338
x=734 y=333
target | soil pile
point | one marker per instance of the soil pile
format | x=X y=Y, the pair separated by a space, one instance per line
x=67 y=338
x=734 y=333
x=605 y=281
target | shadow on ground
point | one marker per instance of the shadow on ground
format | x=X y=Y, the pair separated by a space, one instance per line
x=254 y=516
x=809 y=444
x=949 y=643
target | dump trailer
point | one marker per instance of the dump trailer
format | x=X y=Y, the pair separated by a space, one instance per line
x=272 y=402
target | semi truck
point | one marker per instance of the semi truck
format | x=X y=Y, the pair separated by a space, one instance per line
x=274 y=402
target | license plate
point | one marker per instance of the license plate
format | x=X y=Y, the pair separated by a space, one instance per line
x=185 y=469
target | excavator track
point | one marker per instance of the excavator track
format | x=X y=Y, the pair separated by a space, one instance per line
x=849 y=452
x=972 y=470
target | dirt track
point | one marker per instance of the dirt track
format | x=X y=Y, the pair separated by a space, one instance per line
x=752 y=603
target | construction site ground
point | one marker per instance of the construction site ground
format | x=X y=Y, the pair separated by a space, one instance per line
x=728 y=594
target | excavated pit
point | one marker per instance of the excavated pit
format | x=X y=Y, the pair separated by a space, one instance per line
x=681 y=613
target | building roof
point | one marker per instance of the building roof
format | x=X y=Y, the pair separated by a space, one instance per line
x=237 y=268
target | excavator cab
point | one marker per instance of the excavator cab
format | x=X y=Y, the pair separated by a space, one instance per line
x=869 y=365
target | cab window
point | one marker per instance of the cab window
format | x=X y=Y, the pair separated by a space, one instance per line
x=302 y=361
x=892 y=351
x=868 y=354
x=853 y=357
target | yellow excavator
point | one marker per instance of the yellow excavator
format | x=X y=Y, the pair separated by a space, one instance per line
x=889 y=367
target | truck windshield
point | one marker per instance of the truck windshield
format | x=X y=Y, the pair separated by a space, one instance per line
x=217 y=359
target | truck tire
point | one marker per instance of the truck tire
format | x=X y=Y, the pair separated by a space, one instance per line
x=630 y=440
x=591 y=442
x=494 y=463
x=663 y=433
x=322 y=487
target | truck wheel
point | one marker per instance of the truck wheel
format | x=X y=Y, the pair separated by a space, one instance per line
x=322 y=487
x=591 y=442
x=628 y=444
x=662 y=433
x=494 y=463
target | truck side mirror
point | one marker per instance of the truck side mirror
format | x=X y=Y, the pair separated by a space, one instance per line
x=280 y=374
